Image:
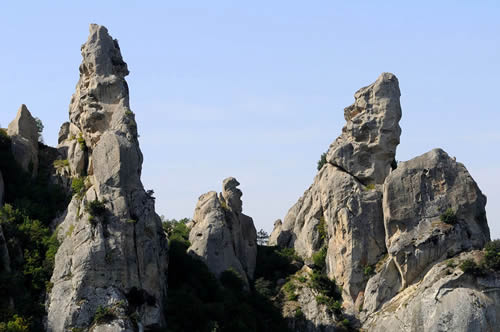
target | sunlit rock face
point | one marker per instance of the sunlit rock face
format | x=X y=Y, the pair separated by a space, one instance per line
x=221 y=235
x=113 y=252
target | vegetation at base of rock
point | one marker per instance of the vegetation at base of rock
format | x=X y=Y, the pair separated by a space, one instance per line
x=217 y=305
x=368 y=271
x=319 y=258
x=321 y=161
x=449 y=216
x=78 y=186
x=30 y=206
x=369 y=187
x=30 y=273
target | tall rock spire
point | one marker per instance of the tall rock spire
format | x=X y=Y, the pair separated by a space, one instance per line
x=113 y=254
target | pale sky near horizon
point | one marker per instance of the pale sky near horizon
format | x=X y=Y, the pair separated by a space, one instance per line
x=257 y=91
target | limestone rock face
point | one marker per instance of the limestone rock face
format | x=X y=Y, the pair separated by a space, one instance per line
x=113 y=252
x=221 y=235
x=367 y=146
x=2 y=189
x=444 y=300
x=24 y=135
x=416 y=194
x=339 y=212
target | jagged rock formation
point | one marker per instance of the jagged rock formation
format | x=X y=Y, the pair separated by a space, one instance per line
x=382 y=225
x=113 y=253
x=23 y=132
x=367 y=145
x=221 y=235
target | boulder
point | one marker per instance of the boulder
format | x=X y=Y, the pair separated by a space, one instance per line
x=23 y=131
x=367 y=146
x=416 y=196
x=113 y=250
x=221 y=235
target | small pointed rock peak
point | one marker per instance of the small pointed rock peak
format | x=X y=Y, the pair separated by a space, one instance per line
x=24 y=125
x=101 y=54
x=367 y=146
x=231 y=194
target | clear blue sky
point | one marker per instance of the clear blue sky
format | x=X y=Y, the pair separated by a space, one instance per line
x=258 y=91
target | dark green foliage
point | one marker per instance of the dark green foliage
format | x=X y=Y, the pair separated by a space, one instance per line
x=322 y=284
x=82 y=143
x=469 y=266
x=78 y=186
x=299 y=314
x=177 y=230
x=263 y=287
x=322 y=228
x=197 y=301
x=95 y=208
x=104 y=315
x=321 y=161
x=31 y=272
x=274 y=263
x=319 y=258
x=368 y=271
x=262 y=238
x=449 y=216
x=31 y=204
x=492 y=255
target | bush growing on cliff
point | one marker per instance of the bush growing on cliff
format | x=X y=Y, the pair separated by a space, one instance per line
x=449 y=216
x=492 y=255
x=321 y=161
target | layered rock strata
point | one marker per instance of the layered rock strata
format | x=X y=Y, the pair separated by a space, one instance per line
x=113 y=253
x=221 y=235
x=23 y=132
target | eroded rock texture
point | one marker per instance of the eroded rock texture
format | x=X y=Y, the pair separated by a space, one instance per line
x=113 y=252
x=383 y=226
x=221 y=235
x=367 y=146
x=23 y=132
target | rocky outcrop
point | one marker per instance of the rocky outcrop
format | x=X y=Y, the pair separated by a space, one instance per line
x=113 y=252
x=23 y=132
x=444 y=300
x=387 y=227
x=221 y=235
x=367 y=146
x=416 y=196
x=343 y=207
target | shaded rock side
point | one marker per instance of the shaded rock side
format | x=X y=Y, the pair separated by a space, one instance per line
x=221 y=235
x=416 y=195
x=367 y=146
x=113 y=251
x=444 y=300
x=23 y=132
x=2 y=189
x=340 y=213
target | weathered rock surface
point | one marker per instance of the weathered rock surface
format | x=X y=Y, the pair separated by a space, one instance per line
x=382 y=225
x=114 y=251
x=221 y=235
x=367 y=146
x=416 y=194
x=343 y=207
x=444 y=300
x=23 y=132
